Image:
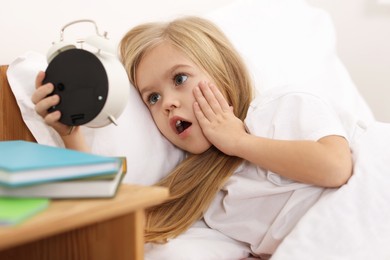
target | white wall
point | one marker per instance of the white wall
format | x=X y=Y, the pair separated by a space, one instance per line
x=34 y=25
x=362 y=26
x=363 y=40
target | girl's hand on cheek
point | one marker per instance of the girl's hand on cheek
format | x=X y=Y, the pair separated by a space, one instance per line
x=43 y=102
x=216 y=118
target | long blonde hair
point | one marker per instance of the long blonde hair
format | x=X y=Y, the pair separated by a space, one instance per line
x=193 y=183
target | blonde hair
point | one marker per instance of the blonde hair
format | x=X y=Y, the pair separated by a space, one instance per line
x=193 y=183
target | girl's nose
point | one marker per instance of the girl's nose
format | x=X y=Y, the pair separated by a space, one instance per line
x=170 y=102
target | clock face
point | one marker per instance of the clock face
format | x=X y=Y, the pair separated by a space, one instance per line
x=81 y=81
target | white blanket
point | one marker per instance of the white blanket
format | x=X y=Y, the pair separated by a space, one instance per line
x=353 y=221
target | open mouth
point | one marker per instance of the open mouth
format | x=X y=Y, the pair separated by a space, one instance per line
x=182 y=125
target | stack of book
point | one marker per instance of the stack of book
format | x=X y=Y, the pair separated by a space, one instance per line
x=31 y=174
x=32 y=170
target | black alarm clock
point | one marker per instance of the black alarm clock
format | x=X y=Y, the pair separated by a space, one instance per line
x=92 y=84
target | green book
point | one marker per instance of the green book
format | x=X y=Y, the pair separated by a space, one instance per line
x=16 y=210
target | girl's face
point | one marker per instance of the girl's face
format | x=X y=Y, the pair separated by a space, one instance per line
x=166 y=79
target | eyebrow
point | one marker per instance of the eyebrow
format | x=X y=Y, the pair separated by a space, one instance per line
x=176 y=67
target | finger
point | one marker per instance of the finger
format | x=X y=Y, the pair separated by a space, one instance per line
x=200 y=116
x=52 y=118
x=203 y=104
x=39 y=79
x=219 y=97
x=210 y=97
x=42 y=106
x=42 y=92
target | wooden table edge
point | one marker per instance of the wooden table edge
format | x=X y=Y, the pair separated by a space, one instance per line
x=98 y=210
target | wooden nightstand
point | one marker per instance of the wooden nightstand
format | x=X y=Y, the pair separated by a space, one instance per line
x=85 y=229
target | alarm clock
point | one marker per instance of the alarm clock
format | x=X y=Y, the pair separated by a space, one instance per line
x=90 y=79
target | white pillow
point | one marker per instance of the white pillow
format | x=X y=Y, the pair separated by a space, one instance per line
x=149 y=155
x=288 y=42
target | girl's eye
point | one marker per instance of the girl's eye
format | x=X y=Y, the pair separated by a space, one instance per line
x=180 y=79
x=153 y=98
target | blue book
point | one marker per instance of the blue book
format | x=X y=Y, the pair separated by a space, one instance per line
x=104 y=186
x=27 y=163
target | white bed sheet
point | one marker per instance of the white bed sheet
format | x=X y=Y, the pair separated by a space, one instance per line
x=352 y=222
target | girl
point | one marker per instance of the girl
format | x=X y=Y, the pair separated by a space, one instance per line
x=254 y=165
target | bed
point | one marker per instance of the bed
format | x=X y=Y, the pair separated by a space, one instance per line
x=284 y=43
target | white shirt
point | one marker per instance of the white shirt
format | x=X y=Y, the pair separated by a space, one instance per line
x=260 y=207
